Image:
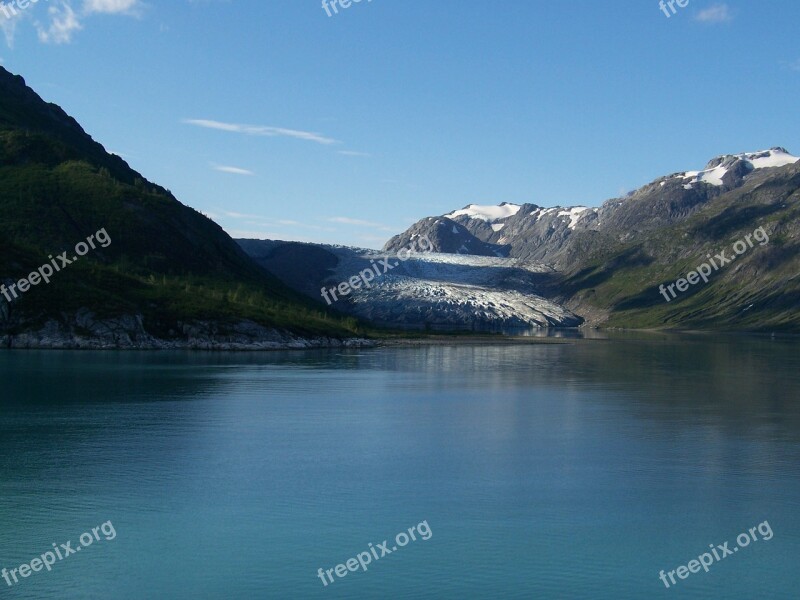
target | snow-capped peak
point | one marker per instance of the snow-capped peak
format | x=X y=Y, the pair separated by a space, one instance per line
x=718 y=167
x=488 y=213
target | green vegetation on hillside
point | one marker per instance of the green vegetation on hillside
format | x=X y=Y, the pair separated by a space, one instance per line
x=166 y=262
x=759 y=290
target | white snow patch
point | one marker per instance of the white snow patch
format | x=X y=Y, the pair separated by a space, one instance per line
x=497 y=226
x=539 y=213
x=575 y=213
x=772 y=158
x=776 y=157
x=713 y=176
x=487 y=213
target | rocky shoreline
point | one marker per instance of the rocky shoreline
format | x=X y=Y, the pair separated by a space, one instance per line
x=83 y=331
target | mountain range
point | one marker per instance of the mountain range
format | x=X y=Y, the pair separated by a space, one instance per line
x=171 y=277
x=548 y=235
x=602 y=266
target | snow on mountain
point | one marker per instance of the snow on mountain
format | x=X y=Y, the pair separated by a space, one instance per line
x=777 y=157
x=488 y=213
x=494 y=214
x=716 y=170
x=559 y=236
x=575 y=213
x=542 y=212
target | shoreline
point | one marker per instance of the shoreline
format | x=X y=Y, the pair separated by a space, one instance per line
x=271 y=340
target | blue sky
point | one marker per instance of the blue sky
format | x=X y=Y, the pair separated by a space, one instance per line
x=282 y=122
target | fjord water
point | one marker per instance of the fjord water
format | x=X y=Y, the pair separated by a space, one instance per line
x=559 y=469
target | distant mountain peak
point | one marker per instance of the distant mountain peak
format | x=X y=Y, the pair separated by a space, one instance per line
x=490 y=213
x=719 y=166
x=774 y=157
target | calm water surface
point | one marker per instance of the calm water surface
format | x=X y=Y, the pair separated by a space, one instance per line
x=570 y=470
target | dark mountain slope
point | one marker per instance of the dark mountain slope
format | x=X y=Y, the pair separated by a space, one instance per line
x=168 y=265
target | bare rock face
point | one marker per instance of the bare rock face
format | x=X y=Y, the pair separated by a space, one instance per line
x=447 y=237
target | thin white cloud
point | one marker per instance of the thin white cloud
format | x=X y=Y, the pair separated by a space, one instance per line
x=238 y=215
x=232 y=170
x=353 y=153
x=63 y=23
x=112 y=7
x=9 y=28
x=359 y=223
x=261 y=130
x=288 y=223
x=63 y=17
x=718 y=13
x=349 y=221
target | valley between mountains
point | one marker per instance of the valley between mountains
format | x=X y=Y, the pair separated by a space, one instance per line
x=170 y=277
x=509 y=267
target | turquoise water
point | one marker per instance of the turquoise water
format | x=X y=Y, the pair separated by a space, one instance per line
x=577 y=469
